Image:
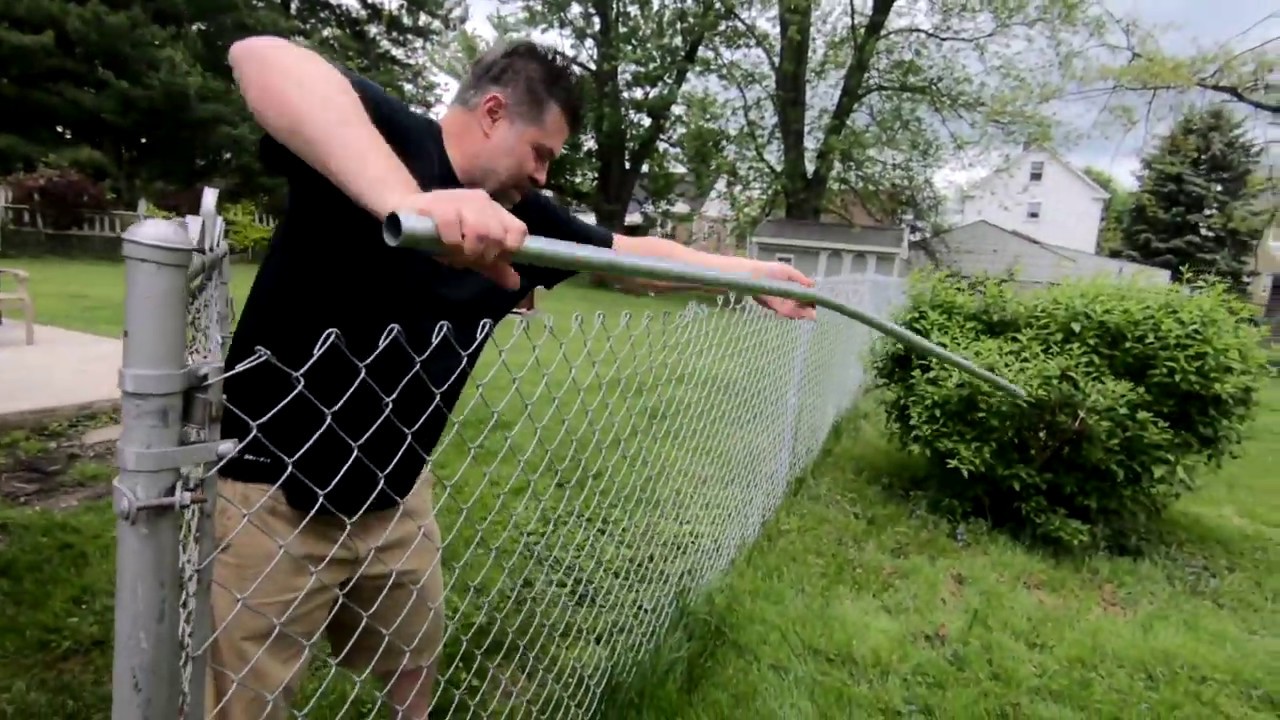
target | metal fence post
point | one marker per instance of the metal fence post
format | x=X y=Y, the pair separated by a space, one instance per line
x=153 y=380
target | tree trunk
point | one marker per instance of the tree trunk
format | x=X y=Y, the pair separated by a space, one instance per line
x=805 y=193
x=795 y=24
x=613 y=192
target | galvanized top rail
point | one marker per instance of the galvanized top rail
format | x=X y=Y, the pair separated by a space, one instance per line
x=416 y=231
x=203 y=264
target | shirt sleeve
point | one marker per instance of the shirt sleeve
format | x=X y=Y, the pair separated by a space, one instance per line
x=543 y=216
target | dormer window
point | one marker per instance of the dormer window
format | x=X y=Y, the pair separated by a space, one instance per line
x=1037 y=170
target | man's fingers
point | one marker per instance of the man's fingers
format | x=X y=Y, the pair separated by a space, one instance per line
x=503 y=274
x=791 y=309
x=449 y=227
x=803 y=279
x=514 y=232
x=478 y=233
x=496 y=244
x=483 y=248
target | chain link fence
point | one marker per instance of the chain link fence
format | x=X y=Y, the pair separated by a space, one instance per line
x=595 y=472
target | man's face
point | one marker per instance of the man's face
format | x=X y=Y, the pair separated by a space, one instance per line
x=517 y=150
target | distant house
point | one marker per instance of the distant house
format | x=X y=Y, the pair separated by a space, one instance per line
x=632 y=220
x=683 y=219
x=1040 y=195
x=843 y=208
x=1264 y=289
x=676 y=218
x=826 y=249
x=983 y=248
x=706 y=220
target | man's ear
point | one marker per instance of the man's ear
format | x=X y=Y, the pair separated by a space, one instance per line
x=493 y=110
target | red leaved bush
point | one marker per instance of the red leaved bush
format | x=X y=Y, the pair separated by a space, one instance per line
x=62 y=197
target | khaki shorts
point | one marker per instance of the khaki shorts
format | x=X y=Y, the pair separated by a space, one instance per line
x=372 y=588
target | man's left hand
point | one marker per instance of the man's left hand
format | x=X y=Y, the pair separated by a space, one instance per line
x=785 y=307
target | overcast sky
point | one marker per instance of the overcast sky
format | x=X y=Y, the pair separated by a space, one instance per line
x=1189 y=24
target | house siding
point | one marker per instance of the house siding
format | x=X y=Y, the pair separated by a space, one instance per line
x=1266 y=263
x=1070 y=207
x=983 y=249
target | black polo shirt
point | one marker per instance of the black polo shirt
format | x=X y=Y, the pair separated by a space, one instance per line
x=349 y=354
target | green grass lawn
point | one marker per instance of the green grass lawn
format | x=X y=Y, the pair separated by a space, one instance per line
x=88 y=295
x=855 y=604
x=605 y=467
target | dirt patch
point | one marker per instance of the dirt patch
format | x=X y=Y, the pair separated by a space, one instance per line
x=955 y=585
x=1110 y=602
x=58 y=466
x=1034 y=584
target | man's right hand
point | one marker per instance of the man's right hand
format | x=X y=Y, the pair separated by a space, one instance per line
x=478 y=232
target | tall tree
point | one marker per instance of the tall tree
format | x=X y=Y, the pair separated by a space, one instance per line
x=637 y=58
x=396 y=44
x=1139 y=74
x=139 y=94
x=1114 y=211
x=392 y=42
x=1196 y=210
x=109 y=89
x=831 y=96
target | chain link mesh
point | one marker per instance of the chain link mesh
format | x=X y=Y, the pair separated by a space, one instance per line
x=595 y=472
x=209 y=318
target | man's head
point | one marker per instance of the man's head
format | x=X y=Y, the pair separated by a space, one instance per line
x=512 y=115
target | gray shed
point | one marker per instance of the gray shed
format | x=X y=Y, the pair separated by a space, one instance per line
x=820 y=249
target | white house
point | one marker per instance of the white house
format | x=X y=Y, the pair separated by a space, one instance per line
x=1041 y=195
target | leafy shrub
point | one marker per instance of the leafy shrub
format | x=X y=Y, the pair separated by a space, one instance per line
x=1132 y=389
x=153 y=211
x=62 y=196
x=244 y=233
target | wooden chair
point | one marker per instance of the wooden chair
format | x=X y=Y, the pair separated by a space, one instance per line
x=22 y=296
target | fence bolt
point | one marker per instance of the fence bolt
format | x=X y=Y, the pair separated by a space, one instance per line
x=128 y=507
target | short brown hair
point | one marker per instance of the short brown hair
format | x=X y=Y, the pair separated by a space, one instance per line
x=532 y=76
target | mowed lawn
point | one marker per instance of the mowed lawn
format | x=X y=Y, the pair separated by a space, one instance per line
x=855 y=604
x=88 y=295
x=605 y=467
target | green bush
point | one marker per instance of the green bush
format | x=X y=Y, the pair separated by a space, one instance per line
x=1132 y=390
x=244 y=233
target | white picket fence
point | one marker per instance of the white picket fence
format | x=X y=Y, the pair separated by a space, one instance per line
x=102 y=224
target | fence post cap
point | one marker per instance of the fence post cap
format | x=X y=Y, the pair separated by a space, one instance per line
x=158 y=233
x=155 y=240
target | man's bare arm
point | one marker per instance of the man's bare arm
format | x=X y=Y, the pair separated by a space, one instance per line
x=670 y=250
x=307 y=105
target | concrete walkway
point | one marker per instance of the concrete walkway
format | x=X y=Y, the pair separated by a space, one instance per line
x=64 y=374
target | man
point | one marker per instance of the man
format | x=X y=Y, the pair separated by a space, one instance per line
x=324 y=518
x=526 y=305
